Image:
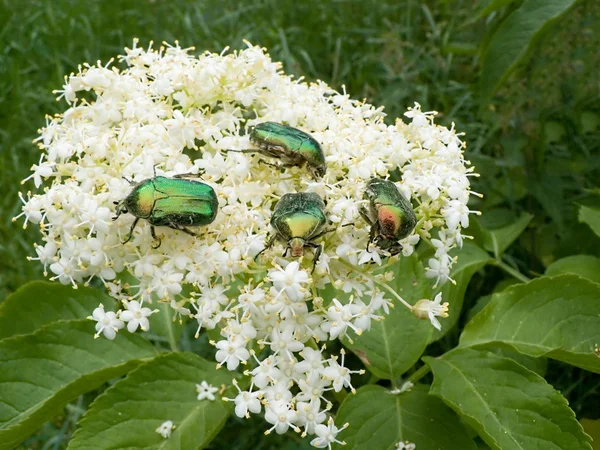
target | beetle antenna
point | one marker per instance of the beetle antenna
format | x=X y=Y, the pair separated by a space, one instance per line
x=128 y=180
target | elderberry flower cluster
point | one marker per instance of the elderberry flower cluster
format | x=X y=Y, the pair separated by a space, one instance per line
x=169 y=112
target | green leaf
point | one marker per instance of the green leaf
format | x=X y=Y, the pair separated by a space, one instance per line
x=585 y=266
x=129 y=412
x=40 y=302
x=498 y=240
x=470 y=259
x=537 y=365
x=555 y=317
x=513 y=39
x=508 y=405
x=41 y=372
x=379 y=419
x=395 y=343
x=591 y=216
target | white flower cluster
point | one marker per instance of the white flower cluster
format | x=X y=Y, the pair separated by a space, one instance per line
x=170 y=113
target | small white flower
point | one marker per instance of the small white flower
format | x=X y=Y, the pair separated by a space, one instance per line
x=405 y=446
x=136 y=316
x=427 y=309
x=231 y=352
x=291 y=280
x=339 y=374
x=245 y=401
x=107 y=323
x=205 y=390
x=165 y=429
x=281 y=415
x=327 y=435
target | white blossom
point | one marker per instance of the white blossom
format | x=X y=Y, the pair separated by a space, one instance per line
x=165 y=429
x=107 y=323
x=427 y=309
x=136 y=316
x=205 y=390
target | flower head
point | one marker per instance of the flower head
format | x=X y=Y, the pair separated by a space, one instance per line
x=167 y=113
x=427 y=309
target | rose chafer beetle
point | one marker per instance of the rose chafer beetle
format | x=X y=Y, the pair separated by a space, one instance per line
x=292 y=146
x=298 y=219
x=390 y=215
x=171 y=202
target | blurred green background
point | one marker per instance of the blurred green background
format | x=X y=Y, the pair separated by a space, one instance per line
x=535 y=142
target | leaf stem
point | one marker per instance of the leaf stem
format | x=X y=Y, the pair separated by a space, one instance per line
x=419 y=373
x=511 y=271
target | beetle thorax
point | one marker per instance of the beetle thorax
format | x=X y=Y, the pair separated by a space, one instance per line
x=141 y=201
x=297 y=246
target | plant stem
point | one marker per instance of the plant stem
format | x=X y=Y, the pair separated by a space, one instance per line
x=420 y=373
x=511 y=271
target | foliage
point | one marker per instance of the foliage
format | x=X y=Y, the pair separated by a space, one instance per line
x=535 y=144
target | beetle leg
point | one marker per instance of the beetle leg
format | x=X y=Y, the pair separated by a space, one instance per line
x=365 y=215
x=190 y=175
x=131 y=231
x=372 y=236
x=244 y=150
x=318 y=250
x=322 y=233
x=262 y=161
x=182 y=228
x=270 y=243
x=153 y=232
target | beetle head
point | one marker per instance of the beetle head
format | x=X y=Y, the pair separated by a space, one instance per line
x=390 y=245
x=296 y=245
x=317 y=172
x=120 y=209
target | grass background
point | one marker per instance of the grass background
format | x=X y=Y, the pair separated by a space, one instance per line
x=536 y=144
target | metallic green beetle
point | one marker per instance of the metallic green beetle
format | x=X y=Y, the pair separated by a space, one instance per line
x=390 y=215
x=298 y=219
x=172 y=202
x=292 y=146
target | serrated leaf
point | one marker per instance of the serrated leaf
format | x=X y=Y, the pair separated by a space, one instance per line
x=508 y=405
x=129 y=412
x=470 y=259
x=379 y=419
x=41 y=372
x=585 y=266
x=497 y=241
x=590 y=216
x=556 y=317
x=41 y=302
x=513 y=39
x=592 y=427
x=395 y=343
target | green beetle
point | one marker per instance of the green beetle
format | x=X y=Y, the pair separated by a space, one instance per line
x=172 y=202
x=390 y=215
x=298 y=219
x=292 y=146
